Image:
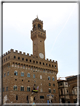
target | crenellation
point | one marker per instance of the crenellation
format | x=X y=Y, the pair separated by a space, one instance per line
x=27 y=54
x=16 y=51
x=20 y=52
x=50 y=60
x=6 y=53
x=24 y=53
x=46 y=63
x=54 y=61
x=12 y=50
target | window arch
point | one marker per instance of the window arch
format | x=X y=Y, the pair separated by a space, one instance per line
x=53 y=79
x=39 y=26
x=15 y=87
x=22 y=73
x=33 y=75
x=28 y=89
x=7 y=73
x=53 y=90
x=49 y=84
x=15 y=73
x=22 y=88
x=49 y=90
x=48 y=77
x=28 y=74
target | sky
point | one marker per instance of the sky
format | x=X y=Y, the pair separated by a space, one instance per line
x=60 y=20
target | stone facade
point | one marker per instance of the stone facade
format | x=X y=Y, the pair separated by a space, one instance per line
x=63 y=91
x=72 y=82
x=21 y=72
x=68 y=89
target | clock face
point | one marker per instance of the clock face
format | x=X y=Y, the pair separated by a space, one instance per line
x=41 y=55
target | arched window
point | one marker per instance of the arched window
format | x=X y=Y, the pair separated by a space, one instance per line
x=49 y=84
x=53 y=79
x=22 y=88
x=53 y=84
x=28 y=89
x=48 y=78
x=7 y=73
x=49 y=90
x=39 y=26
x=53 y=90
x=74 y=90
x=22 y=73
x=15 y=87
x=15 y=73
x=28 y=74
x=55 y=66
x=34 y=27
x=33 y=75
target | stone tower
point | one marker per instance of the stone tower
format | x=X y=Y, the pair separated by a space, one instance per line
x=38 y=36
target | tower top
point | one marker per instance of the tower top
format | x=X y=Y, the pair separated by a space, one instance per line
x=38 y=36
x=37 y=20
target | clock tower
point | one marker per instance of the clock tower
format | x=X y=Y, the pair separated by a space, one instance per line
x=38 y=36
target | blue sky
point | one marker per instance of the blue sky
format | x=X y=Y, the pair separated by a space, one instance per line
x=61 y=25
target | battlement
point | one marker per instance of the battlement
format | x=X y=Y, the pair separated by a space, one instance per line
x=18 y=55
x=29 y=55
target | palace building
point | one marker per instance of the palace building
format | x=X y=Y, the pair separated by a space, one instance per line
x=24 y=74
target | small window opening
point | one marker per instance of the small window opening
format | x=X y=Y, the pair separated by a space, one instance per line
x=28 y=80
x=22 y=58
x=14 y=57
x=34 y=98
x=16 y=97
x=36 y=61
x=26 y=59
x=27 y=97
x=18 y=57
x=40 y=62
x=33 y=61
x=49 y=65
